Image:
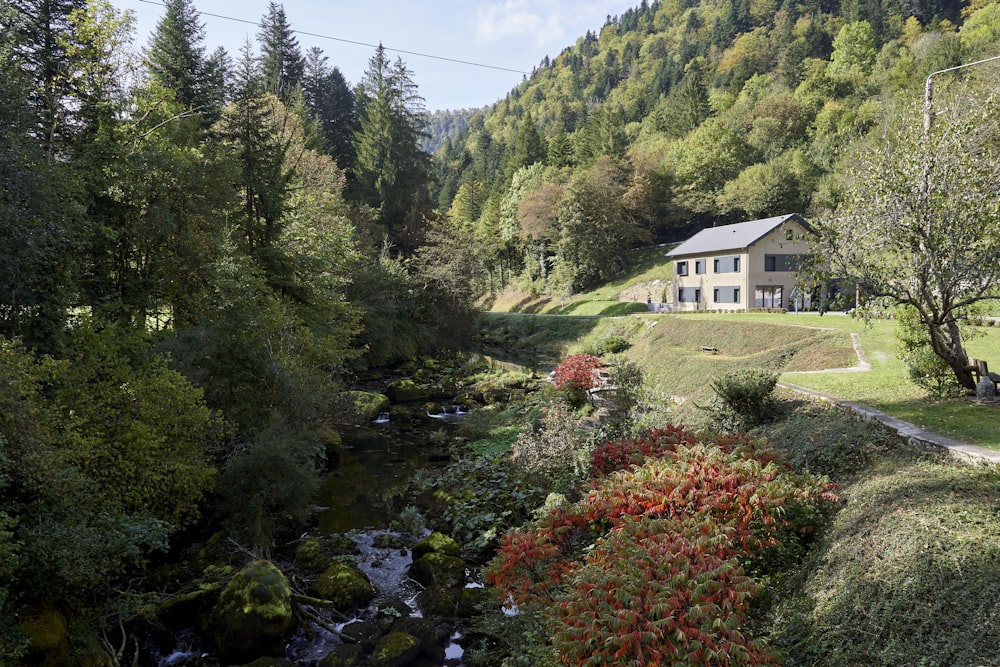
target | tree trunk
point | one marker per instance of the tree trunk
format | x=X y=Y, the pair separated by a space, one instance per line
x=946 y=340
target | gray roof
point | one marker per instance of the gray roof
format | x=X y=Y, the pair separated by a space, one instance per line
x=732 y=237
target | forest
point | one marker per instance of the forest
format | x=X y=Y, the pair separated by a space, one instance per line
x=201 y=251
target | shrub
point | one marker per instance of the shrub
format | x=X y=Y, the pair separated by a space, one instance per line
x=925 y=368
x=556 y=448
x=578 y=371
x=650 y=567
x=743 y=398
x=614 y=345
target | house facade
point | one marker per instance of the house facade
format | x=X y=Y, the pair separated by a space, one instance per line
x=743 y=266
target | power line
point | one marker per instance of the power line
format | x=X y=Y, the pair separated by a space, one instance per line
x=351 y=41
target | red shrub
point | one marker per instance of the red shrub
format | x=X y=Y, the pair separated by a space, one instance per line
x=578 y=371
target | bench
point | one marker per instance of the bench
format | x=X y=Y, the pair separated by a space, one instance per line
x=981 y=369
x=713 y=350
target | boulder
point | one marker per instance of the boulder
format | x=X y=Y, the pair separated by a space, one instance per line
x=48 y=637
x=438 y=568
x=345 y=655
x=364 y=633
x=406 y=391
x=424 y=630
x=396 y=649
x=253 y=617
x=363 y=406
x=344 y=586
x=309 y=555
x=436 y=542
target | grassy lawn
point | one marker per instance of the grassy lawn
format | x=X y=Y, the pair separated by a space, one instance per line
x=887 y=387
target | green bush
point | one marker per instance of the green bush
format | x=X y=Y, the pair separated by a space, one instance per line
x=743 y=398
x=614 y=345
x=925 y=368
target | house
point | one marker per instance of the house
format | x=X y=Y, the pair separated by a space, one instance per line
x=743 y=266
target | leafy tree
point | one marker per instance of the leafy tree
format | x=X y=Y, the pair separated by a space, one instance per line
x=854 y=50
x=281 y=63
x=918 y=221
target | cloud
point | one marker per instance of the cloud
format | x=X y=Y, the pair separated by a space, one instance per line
x=539 y=22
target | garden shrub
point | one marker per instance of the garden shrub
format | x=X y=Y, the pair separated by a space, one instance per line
x=743 y=398
x=576 y=375
x=557 y=449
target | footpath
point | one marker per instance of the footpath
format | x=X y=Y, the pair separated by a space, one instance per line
x=916 y=436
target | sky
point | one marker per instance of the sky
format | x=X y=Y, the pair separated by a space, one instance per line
x=497 y=41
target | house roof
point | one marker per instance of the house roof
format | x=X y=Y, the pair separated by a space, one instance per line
x=732 y=237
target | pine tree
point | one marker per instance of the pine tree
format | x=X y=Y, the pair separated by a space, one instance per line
x=282 y=64
x=44 y=29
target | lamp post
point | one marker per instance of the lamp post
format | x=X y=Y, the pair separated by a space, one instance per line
x=929 y=88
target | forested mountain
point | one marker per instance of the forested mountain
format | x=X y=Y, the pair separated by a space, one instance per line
x=682 y=114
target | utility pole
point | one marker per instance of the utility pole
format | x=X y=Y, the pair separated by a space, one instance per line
x=929 y=89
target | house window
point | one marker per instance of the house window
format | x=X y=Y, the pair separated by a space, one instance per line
x=682 y=268
x=768 y=296
x=699 y=266
x=689 y=294
x=789 y=235
x=784 y=263
x=726 y=295
x=728 y=264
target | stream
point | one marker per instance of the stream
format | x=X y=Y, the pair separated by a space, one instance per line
x=364 y=498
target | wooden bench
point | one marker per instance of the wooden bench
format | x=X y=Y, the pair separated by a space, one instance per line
x=712 y=350
x=981 y=369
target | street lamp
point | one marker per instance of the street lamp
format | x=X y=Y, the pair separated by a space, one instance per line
x=929 y=88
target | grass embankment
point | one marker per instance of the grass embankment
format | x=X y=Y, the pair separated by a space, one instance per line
x=907 y=573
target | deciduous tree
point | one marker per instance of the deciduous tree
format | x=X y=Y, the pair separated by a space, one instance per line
x=919 y=221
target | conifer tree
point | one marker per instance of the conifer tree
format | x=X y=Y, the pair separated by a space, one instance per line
x=330 y=100
x=281 y=61
x=391 y=167
x=176 y=57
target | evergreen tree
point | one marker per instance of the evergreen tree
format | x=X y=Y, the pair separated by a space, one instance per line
x=330 y=100
x=391 y=168
x=282 y=64
x=175 y=57
x=43 y=30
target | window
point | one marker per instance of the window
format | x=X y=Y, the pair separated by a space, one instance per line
x=768 y=296
x=783 y=262
x=699 y=266
x=689 y=294
x=728 y=264
x=682 y=268
x=726 y=295
x=789 y=235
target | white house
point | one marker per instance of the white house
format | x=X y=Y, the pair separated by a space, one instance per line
x=743 y=266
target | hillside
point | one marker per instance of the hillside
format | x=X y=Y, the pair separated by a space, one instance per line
x=676 y=116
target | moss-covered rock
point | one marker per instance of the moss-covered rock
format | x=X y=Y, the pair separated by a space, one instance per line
x=309 y=555
x=436 y=542
x=48 y=637
x=424 y=630
x=345 y=655
x=396 y=649
x=344 y=586
x=406 y=391
x=363 y=406
x=253 y=617
x=438 y=568
x=363 y=633
x=439 y=601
